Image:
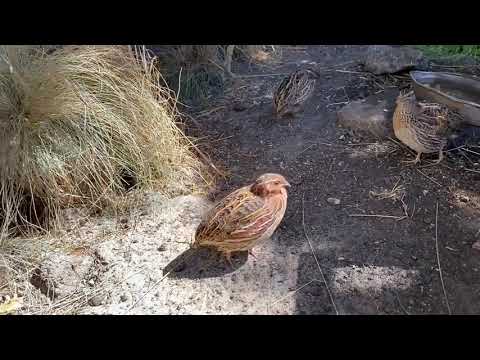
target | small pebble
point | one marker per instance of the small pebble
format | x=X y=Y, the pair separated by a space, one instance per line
x=161 y=248
x=123 y=220
x=333 y=201
x=476 y=246
x=91 y=282
x=123 y=298
x=97 y=300
x=414 y=258
x=425 y=192
x=341 y=258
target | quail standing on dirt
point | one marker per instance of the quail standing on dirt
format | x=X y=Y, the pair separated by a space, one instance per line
x=294 y=91
x=246 y=217
x=423 y=127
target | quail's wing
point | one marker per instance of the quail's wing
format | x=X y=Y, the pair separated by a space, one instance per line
x=430 y=126
x=304 y=86
x=282 y=90
x=241 y=216
x=432 y=117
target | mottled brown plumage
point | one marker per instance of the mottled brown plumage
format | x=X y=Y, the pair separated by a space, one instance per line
x=423 y=127
x=245 y=217
x=294 y=91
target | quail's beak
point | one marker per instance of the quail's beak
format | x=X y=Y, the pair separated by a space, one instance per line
x=287 y=184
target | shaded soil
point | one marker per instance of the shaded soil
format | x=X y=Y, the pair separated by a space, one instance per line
x=392 y=261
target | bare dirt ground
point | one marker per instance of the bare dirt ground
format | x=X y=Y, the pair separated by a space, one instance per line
x=372 y=265
x=373 y=253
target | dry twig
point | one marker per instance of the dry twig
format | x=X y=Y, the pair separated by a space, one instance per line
x=438 y=260
x=315 y=256
x=429 y=178
x=398 y=218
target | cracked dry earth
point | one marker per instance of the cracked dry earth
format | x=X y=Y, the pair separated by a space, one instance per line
x=371 y=264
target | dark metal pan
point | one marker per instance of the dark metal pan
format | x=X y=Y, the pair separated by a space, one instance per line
x=460 y=92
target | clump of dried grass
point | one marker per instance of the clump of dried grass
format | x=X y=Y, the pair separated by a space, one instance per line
x=18 y=261
x=193 y=71
x=397 y=192
x=197 y=72
x=78 y=124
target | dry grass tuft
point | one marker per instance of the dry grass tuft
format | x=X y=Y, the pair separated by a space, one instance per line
x=82 y=125
x=18 y=261
x=193 y=71
x=197 y=72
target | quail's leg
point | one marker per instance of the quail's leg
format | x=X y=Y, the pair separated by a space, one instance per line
x=415 y=161
x=228 y=60
x=440 y=157
x=228 y=257
x=193 y=245
x=286 y=113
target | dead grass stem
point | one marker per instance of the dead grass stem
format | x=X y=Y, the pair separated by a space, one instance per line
x=438 y=261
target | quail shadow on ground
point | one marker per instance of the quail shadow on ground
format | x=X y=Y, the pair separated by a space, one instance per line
x=203 y=263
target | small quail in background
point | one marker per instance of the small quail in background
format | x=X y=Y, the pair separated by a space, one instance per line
x=423 y=127
x=294 y=91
